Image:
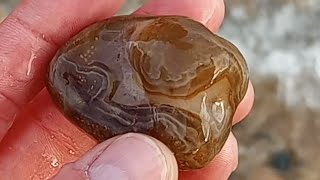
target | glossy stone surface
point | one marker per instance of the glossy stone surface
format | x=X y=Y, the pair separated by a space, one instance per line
x=168 y=77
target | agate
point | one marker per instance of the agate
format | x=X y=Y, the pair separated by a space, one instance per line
x=165 y=76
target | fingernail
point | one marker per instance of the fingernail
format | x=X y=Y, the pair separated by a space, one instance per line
x=134 y=157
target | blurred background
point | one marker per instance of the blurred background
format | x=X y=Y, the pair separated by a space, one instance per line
x=281 y=41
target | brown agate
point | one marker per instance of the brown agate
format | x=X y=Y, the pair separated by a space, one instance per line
x=168 y=77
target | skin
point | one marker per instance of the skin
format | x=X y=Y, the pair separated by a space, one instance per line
x=30 y=124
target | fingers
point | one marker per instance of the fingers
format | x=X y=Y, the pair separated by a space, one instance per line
x=245 y=105
x=131 y=156
x=208 y=12
x=56 y=21
x=221 y=167
x=29 y=38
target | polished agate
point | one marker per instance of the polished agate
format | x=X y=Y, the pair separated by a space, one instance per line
x=166 y=76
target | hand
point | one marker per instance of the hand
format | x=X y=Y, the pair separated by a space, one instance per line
x=37 y=142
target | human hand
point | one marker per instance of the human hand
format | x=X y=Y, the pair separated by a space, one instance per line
x=41 y=143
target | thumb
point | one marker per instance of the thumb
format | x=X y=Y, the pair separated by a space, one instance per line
x=130 y=156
